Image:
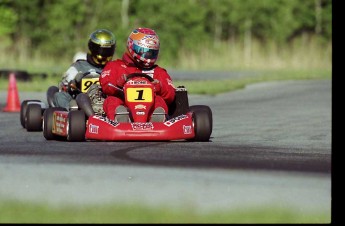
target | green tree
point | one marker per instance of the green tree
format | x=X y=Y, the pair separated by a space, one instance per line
x=58 y=28
x=8 y=19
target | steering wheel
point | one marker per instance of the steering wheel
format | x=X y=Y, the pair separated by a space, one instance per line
x=133 y=75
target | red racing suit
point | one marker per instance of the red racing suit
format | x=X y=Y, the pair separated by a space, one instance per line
x=113 y=75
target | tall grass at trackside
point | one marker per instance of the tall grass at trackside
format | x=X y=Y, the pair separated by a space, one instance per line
x=304 y=53
x=26 y=212
x=209 y=87
x=213 y=87
x=303 y=58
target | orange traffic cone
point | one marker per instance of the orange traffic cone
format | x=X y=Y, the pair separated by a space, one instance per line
x=13 y=104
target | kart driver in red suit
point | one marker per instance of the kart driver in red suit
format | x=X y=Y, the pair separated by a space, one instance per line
x=140 y=57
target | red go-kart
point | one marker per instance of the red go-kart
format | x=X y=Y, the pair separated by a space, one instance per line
x=184 y=122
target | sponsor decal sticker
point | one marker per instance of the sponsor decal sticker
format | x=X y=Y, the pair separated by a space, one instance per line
x=105 y=73
x=187 y=129
x=140 y=106
x=135 y=82
x=104 y=119
x=142 y=125
x=60 y=123
x=93 y=129
x=148 y=72
x=174 y=120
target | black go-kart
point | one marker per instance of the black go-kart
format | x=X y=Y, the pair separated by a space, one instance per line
x=31 y=111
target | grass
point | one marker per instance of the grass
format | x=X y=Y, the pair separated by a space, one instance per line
x=210 y=87
x=21 y=212
x=304 y=58
x=303 y=53
x=213 y=87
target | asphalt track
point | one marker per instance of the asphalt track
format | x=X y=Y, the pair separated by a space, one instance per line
x=270 y=145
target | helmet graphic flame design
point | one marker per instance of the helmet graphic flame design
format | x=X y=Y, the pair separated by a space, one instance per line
x=143 y=47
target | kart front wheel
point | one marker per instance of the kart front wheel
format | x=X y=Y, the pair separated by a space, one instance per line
x=202 y=119
x=76 y=126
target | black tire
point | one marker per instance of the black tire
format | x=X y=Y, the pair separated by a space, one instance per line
x=203 y=122
x=50 y=95
x=23 y=108
x=48 y=123
x=180 y=105
x=33 y=117
x=76 y=126
x=84 y=103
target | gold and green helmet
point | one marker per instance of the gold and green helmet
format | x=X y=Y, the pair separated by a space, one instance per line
x=102 y=45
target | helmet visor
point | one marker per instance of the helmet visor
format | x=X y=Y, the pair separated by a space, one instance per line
x=102 y=51
x=105 y=52
x=145 y=52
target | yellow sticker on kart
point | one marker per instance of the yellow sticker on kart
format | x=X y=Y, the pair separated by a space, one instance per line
x=139 y=94
x=87 y=82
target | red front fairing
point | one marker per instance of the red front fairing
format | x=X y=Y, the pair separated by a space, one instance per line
x=101 y=128
x=139 y=98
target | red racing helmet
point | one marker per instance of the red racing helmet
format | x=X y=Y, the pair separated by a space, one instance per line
x=143 y=47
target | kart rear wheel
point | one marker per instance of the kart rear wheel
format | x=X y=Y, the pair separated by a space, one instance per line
x=23 y=108
x=202 y=119
x=48 y=123
x=33 y=117
x=180 y=104
x=76 y=126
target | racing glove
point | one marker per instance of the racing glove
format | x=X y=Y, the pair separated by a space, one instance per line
x=72 y=87
x=120 y=82
x=158 y=85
